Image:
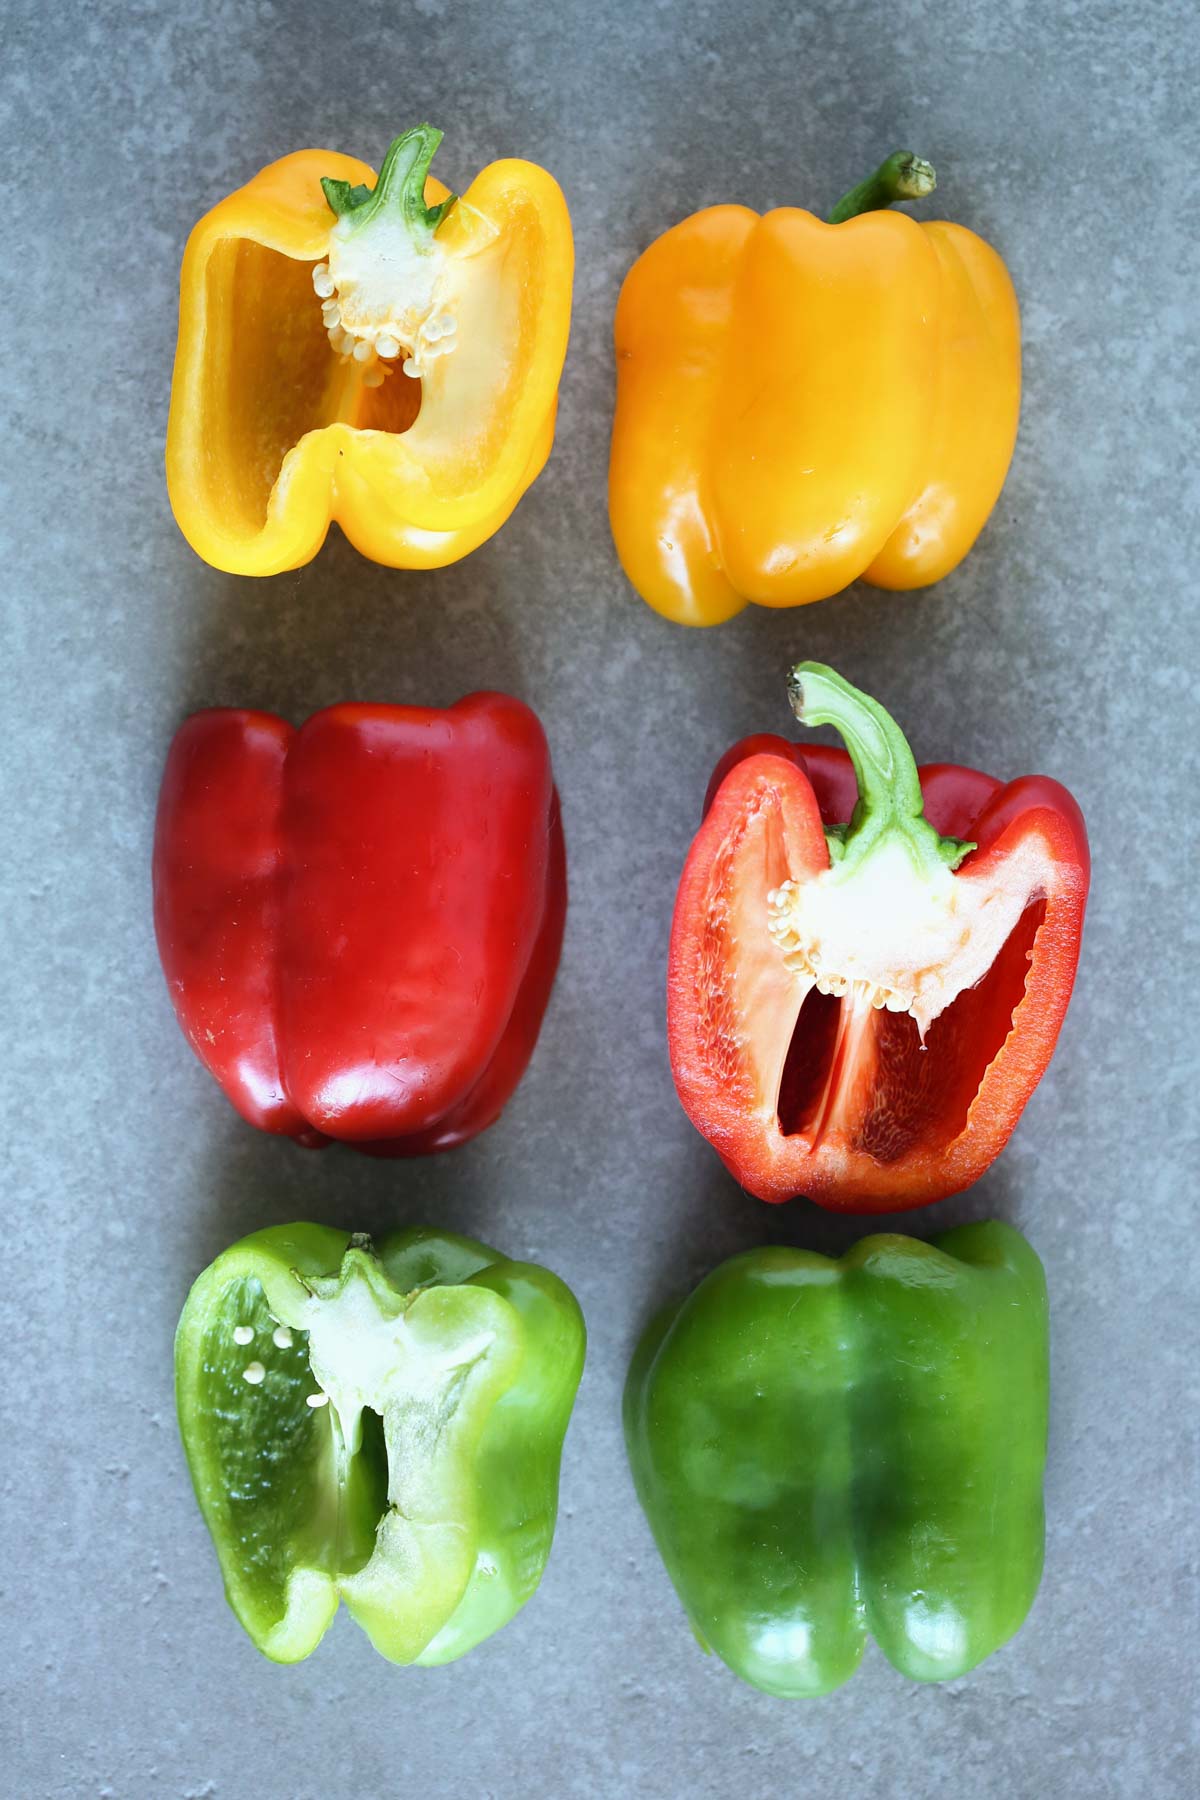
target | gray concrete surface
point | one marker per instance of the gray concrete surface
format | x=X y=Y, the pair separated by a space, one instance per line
x=1065 y=644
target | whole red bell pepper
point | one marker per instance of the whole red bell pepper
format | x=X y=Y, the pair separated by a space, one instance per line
x=360 y=920
x=869 y=963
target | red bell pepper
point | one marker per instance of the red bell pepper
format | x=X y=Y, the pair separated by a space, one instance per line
x=360 y=921
x=869 y=963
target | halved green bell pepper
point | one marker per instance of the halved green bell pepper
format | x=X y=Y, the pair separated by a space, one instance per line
x=382 y=1426
x=830 y=1449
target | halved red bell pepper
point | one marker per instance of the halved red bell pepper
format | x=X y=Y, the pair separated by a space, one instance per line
x=869 y=962
x=360 y=921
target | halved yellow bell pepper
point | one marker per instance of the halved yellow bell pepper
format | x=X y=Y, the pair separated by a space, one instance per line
x=378 y=353
x=800 y=404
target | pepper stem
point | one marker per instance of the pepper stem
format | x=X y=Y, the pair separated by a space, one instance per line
x=890 y=803
x=400 y=188
x=902 y=177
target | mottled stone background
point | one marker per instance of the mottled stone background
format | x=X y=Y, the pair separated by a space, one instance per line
x=1066 y=644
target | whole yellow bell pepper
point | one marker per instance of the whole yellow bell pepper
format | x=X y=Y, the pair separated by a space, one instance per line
x=375 y=352
x=800 y=404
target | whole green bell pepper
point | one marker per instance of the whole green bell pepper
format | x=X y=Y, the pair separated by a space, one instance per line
x=380 y=1425
x=826 y=1449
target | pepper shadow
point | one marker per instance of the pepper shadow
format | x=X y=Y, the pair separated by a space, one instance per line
x=722 y=1220
x=248 y=1180
x=345 y=629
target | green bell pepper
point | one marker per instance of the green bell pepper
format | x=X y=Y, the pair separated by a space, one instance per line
x=826 y=1449
x=384 y=1426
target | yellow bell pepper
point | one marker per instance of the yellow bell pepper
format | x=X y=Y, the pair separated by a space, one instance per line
x=800 y=404
x=378 y=353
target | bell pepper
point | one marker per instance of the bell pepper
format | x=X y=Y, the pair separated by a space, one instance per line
x=376 y=352
x=826 y=1450
x=869 y=962
x=382 y=1426
x=360 y=921
x=800 y=404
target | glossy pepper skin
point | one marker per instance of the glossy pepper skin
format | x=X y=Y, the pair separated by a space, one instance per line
x=831 y=1450
x=869 y=963
x=801 y=404
x=382 y=1426
x=360 y=920
x=275 y=431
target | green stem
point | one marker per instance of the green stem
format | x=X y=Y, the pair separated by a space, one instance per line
x=890 y=803
x=400 y=188
x=902 y=177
